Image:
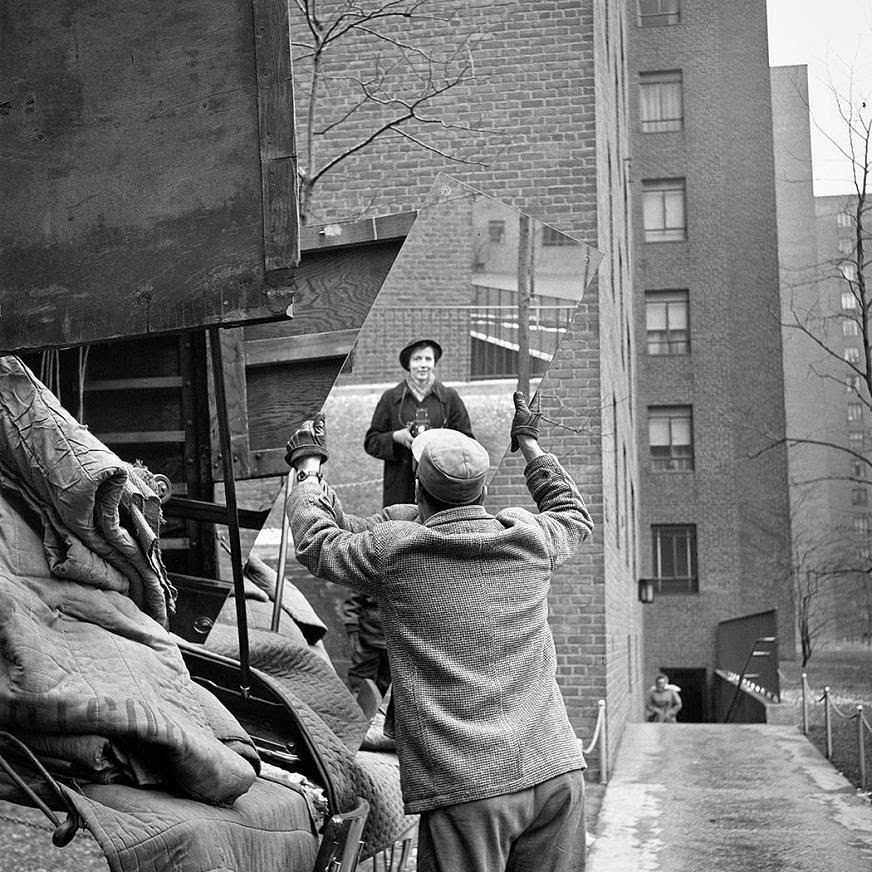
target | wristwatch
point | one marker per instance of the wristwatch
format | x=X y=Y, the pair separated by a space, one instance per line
x=303 y=474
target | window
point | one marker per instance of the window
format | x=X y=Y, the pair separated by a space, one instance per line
x=550 y=236
x=849 y=301
x=663 y=210
x=858 y=469
x=863 y=525
x=846 y=245
x=844 y=219
x=850 y=327
x=670 y=437
x=666 y=319
x=853 y=383
x=852 y=354
x=660 y=103
x=859 y=496
x=855 y=412
x=496 y=231
x=856 y=442
x=656 y=13
x=674 y=558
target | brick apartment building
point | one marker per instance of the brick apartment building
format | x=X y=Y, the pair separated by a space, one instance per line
x=561 y=86
x=824 y=398
x=714 y=513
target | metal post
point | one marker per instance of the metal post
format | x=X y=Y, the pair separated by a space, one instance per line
x=861 y=747
x=804 y=706
x=828 y=727
x=283 y=553
x=604 y=744
x=232 y=511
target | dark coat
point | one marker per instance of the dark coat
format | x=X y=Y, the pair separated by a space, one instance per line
x=395 y=410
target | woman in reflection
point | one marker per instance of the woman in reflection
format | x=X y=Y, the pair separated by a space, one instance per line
x=417 y=403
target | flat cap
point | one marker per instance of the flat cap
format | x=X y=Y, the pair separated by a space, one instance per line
x=451 y=466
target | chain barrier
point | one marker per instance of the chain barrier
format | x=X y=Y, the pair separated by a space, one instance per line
x=830 y=707
x=600 y=736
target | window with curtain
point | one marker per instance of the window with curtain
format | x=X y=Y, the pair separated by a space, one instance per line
x=852 y=354
x=855 y=412
x=663 y=210
x=667 y=322
x=849 y=301
x=658 y=13
x=856 y=442
x=673 y=558
x=670 y=437
x=660 y=101
x=850 y=327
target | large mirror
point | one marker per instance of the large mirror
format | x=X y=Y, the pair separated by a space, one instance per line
x=495 y=291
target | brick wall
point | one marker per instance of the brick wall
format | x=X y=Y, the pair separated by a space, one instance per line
x=547 y=105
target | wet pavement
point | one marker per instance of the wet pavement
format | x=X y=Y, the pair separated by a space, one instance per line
x=728 y=798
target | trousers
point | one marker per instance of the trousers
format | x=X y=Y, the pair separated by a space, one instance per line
x=540 y=829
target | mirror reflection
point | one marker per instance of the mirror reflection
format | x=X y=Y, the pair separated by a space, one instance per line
x=475 y=305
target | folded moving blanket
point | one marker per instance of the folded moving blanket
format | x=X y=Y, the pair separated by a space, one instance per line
x=101 y=521
x=337 y=725
x=270 y=829
x=83 y=651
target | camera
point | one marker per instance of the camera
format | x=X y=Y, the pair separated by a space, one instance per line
x=421 y=422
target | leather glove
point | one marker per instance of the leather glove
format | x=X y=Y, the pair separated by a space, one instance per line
x=309 y=440
x=526 y=420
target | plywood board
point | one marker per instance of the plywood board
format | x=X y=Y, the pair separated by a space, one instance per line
x=134 y=138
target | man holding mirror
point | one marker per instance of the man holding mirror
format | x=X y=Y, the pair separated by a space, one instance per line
x=488 y=756
x=419 y=402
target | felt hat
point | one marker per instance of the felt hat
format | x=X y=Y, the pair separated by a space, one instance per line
x=406 y=353
x=451 y=466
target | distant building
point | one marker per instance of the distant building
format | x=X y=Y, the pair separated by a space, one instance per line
x=825 y=399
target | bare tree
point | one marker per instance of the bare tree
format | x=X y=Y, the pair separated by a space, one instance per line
x=368 y=70
x=826 y=313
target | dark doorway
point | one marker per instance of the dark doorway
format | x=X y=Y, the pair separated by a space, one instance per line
x=693 y=693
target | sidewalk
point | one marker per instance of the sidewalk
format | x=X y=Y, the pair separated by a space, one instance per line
x=728 y=798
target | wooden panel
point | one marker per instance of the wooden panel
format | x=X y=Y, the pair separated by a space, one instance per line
x=335 y=290
x=233 y=355
x=310 y=346
x=131 y=172
x=278 y=157
x=358 y=232
x=142 y=437
x=280 y=398
x=126 y=384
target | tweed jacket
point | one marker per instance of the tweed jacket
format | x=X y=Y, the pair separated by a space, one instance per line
x=464 y=602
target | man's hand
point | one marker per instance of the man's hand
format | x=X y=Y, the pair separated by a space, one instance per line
x=526 y=420
x=309 y=440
